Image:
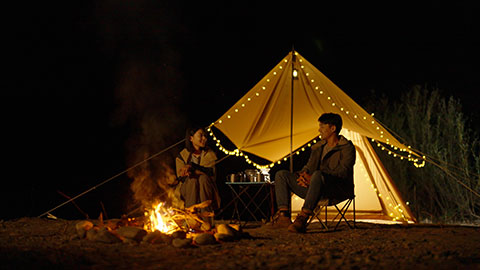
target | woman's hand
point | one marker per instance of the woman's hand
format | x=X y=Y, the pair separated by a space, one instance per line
x=186 y=170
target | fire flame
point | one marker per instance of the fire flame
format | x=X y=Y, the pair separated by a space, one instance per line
x=161 y=219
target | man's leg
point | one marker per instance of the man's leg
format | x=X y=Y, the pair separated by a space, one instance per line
x=317 y=183
x=285 y=182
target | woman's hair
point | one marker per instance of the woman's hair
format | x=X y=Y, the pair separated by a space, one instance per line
x=190 y=132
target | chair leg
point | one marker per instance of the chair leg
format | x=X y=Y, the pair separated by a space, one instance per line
x=316 y=214
x=326 y=218
x=354 y=219
x=342 y=213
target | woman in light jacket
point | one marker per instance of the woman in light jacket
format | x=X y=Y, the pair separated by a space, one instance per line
x=196 y=170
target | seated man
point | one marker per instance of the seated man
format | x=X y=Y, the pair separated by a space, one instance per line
x=328 y=173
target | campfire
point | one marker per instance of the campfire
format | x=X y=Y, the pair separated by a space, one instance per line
x=168 y=219
x=164 y=219
x=161 y=224
x=161 y=219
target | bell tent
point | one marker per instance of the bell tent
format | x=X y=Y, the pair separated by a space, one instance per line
x=278 y=118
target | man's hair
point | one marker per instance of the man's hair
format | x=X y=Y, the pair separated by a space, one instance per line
x=190 y=132
x=332 y=119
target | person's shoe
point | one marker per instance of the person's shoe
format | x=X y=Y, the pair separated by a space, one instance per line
x=281 y=220
x=300 y=223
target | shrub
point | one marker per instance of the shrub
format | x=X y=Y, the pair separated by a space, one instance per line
x=446 y=189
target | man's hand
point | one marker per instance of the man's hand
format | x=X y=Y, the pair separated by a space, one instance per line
x=303 y=179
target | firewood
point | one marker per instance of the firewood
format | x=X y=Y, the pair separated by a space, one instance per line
x=201 y=205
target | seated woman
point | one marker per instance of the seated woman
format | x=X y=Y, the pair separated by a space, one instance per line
x=196 y=168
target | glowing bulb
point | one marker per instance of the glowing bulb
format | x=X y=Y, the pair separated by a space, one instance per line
x=295 y=73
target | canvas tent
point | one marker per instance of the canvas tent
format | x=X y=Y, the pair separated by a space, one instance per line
x=260 y=123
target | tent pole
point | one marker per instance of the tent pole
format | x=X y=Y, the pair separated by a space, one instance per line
x=291 y=113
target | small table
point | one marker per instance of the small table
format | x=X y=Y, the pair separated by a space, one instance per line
x=243 y=198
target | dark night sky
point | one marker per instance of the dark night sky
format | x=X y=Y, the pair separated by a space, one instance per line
x=89 y=82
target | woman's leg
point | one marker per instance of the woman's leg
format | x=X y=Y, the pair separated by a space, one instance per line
x=189 y=192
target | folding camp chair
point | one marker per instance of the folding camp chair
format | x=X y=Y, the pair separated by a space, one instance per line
x=324 y=203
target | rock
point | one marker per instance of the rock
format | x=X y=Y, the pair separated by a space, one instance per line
x=133 y=233
x=105 y=236
x=129 y=241
x=228 y=230
x=179 y=234
x=157 y=237
x=235 y=227
x=205 y=239
x=82 y=227
x=182 y=243
x=92 y=234
x=224 y=237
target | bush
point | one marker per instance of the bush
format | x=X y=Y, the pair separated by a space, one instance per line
x=446 y=189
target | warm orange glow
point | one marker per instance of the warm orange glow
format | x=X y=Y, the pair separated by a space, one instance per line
x=161 y=219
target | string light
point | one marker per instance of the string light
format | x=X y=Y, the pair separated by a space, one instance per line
x=395 y=210
x=417 y=162
x=390 y=149
x=237 y=152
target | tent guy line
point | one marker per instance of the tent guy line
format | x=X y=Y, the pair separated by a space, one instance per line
x=111 y=178
x=115 y=176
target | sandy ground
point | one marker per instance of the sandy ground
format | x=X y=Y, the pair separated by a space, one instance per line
x=33 y=243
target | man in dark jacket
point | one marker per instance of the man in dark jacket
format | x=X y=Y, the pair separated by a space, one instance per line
x=328 y=173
